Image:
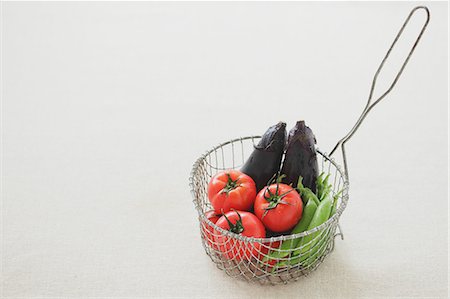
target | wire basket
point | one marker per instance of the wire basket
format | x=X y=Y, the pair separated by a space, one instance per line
x=248 y=258
x=232 y=155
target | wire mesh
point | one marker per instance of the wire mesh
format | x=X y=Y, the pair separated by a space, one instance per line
x=261 y=259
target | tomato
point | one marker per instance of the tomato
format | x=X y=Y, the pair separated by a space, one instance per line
x=279 y=207
x=208 y=230
x=265 y=248
x=242 y=223
x=231 y=189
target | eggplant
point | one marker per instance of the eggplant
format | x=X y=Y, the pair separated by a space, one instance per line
x=300 y=158
x=265 y=160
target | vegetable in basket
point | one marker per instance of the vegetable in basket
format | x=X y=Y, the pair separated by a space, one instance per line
x=311 y=246
x=315 y=242
x=231 y=189
x=265 y=160
x=321 y=215
x=300 y=158
x=323 y=188
x=263 y=254
x=335 y=201
x=306 y=193
x=305 y=260
x=279 y=207
x=241 y=223
x=286 y=248
x=208 y=230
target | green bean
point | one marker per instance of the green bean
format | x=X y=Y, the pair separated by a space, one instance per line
x=323 y=188
x=305 y=193
x=280 y=265
x=322 y=206
x=306 y=259
x=320 y=216
x=319 y=184
x=309 y=242
x=308 y=214
x=318 y=246
x=319 y=181
x=335 y=200
x=287 y=246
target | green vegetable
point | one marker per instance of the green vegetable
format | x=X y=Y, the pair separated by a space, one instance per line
x=308 y=215
x=319 y=183
x=305 y=259
x=335 y=200
x=321 y=207
x=320 y=216
x=305 y=193
x=311 y=243
x=287 y=246
x=323 y=188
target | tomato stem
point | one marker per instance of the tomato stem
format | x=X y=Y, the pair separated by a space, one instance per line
x=275 y=199
x=231 y=185
x=236 y=228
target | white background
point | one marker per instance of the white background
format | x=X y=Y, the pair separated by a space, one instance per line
x=107 y=105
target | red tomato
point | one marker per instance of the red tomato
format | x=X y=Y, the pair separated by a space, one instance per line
x=265 y=248
x=208 y=230
x=242 y=223
x=279 y=207
x=231 y=189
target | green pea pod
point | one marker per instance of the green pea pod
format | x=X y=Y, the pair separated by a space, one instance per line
x=287 y=246
x=279 y=265
x=320 y=216
x=335 y=200
x=306 y=193
x=319 y=183
x=323 y=188
x=325 y=207
x=311 y=246
x=304 y=260
x=308 y=214
x=308 y=256
x=315 y=252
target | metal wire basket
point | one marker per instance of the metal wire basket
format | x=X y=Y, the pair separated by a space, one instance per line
x=231 y=155
x=226 y=249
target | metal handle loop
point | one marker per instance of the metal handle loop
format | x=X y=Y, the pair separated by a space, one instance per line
x=369 y=104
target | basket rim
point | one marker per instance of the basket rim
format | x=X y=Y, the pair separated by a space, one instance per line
x=329 y=222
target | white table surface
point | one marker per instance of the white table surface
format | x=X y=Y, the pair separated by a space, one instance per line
x=107 y=105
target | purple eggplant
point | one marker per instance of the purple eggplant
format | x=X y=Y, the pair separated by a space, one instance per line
x=300 y=158
x=265 y=160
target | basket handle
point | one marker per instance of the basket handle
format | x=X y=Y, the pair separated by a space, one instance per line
x=371 y=104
